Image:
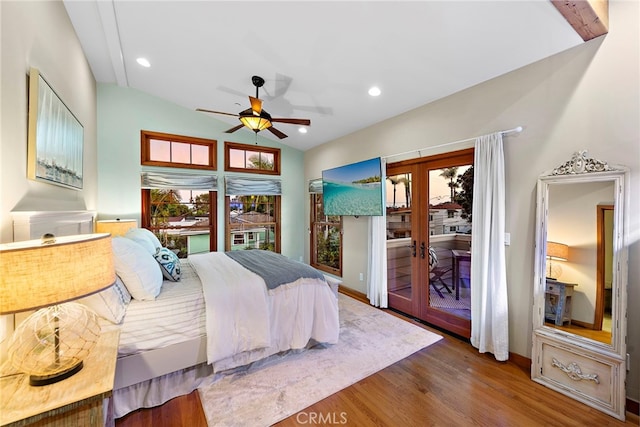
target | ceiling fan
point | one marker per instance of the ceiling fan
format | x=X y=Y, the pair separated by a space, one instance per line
x=257 y=119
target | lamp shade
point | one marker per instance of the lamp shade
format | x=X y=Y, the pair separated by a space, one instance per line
x=255 y=123
x=34 y=274
x=116 y=227
x=557 y=251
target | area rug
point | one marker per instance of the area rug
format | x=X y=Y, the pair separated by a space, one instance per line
x=282 y=385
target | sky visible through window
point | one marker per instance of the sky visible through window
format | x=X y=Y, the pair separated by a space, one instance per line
x=439 y=191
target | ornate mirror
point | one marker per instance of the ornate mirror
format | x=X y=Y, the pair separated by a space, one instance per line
x=579 y=317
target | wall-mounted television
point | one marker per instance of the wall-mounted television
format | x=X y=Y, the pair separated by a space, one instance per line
x=354 y=189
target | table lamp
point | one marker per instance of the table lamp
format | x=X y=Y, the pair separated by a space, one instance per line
x=556 y=252
x=117 y=227
x=51 y=344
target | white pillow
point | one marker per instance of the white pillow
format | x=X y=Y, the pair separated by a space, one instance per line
x=110 y=304
x=145 y=238
x=138 y=270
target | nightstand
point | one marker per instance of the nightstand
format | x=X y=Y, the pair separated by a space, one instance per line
x=557 y=304
x=76 y=401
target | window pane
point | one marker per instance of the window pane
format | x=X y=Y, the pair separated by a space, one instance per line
x=159 y=151
x=266 y=161
x=236 y=158
x=451 y=200
x=180 y=152
x=252 y=222
x=328 y=245
x=200 y=154
x=326 y=238
x=181 y=220
x=253 y=160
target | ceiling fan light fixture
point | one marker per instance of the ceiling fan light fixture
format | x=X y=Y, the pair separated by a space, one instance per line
x=302 y=130
x=256 y=123
x=375 y=91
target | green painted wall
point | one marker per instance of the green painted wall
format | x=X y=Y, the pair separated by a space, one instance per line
x=124 y=112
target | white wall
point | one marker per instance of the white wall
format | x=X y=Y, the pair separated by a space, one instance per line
x=39 y=34
x=124 y=112
x=583 y=98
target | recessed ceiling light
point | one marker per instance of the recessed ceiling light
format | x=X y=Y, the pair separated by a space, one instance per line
x=374 y=91
x=302 y=130
x=144 y=62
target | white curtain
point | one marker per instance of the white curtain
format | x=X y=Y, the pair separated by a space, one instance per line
x=489 y=305
x=377 y=247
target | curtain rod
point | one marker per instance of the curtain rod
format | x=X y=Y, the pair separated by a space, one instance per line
x=516 y=129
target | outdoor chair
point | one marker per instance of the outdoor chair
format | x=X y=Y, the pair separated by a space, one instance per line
x=436 y=274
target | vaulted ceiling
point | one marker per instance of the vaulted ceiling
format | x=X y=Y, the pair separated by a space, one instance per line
x=319 y=58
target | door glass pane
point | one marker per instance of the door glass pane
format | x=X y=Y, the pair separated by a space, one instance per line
x=450 y=203
x=399 y=242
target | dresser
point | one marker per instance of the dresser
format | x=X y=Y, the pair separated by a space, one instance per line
x=557 y=304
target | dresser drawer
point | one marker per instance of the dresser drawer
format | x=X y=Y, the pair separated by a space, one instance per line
x=553 y=289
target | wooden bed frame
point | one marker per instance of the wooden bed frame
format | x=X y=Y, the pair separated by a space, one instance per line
x=144 y=366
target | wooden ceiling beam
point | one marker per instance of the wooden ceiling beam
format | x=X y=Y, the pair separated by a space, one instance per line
x=590 y=18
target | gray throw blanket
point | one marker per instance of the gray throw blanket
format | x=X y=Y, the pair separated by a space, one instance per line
x=275 y=269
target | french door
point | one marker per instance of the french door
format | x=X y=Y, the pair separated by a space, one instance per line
x=429 y=204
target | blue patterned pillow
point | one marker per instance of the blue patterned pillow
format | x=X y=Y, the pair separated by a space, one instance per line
x=169 y=264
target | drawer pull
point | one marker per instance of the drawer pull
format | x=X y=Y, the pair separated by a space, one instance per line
x=574 y=372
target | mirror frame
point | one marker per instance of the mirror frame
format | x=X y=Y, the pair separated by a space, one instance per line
x=582 y=169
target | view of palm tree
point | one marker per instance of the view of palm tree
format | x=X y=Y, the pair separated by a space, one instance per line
x=451 y=174
x=174 y=211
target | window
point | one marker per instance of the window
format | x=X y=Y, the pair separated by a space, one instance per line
x=253 y=222
x=251 y=159
x=183 y=220
x=180 y=208
x=326 y=238
x=163 y=149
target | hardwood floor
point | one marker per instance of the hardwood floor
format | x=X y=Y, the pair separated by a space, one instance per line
x=446 y=384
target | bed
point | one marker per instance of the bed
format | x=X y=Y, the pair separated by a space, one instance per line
x=223 y=313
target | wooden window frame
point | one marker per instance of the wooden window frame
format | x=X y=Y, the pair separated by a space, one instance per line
x=278 y=223
x=228 y=146
x=145 y=150
x=213 y=215
x=313 y=255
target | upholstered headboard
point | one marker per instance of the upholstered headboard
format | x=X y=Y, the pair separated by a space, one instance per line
x=32 y=225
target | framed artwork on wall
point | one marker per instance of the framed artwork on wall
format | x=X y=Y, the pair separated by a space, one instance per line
x=55 y=137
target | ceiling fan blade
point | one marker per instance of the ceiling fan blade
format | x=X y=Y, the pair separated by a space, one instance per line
x=256 y=105
x=233 y=129
x=216 y=112
x=276 y=132
x=302 y=122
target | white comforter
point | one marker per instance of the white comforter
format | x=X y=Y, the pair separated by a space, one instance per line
x=244 y=318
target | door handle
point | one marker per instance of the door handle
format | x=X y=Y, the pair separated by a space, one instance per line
x=422 y=250
x=413 y=249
